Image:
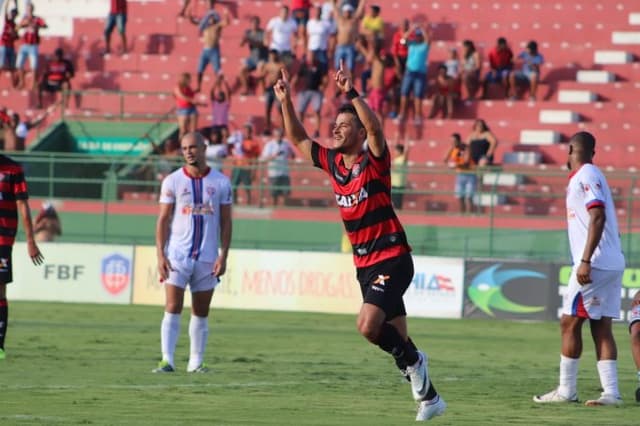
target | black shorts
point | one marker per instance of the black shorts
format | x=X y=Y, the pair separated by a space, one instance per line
x=6 y=265
x=240 y=175
x=384 y=284
x=52 y=86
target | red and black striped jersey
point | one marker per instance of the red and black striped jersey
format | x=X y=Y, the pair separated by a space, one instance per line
x=13 y=187
x=363 y=194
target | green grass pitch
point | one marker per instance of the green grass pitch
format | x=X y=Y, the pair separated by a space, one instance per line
x=91 y=364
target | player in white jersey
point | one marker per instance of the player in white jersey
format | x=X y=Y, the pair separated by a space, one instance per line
x=634 y=330
x=596 y=279
x=195 y=213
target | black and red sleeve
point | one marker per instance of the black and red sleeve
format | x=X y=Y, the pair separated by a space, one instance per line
x=319 y=156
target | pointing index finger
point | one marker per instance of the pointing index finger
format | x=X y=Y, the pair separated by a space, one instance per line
x=285 y=74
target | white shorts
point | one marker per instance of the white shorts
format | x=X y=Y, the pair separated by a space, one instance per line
x=635 y=316
x=599 y=299
x=198 y=274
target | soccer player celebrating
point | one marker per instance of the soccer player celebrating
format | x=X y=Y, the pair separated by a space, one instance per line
x=634 y=329
x=596 y=278
x=14 y=196
x=362 y=185
x=195 y=214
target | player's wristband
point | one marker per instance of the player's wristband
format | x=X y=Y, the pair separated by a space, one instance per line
x=352 y=94
x=585 y=261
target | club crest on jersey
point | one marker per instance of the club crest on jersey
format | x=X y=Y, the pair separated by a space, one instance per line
x=210 y=191
x=352 y=200
x=355 y=170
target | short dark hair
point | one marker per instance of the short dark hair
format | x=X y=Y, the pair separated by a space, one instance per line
x=456 y=136
x=533 y=46
x=400 y=148
x=350 y=109
x=502 y=40
x=585 y=140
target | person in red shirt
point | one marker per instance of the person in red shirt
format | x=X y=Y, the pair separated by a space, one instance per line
x=117 y=16
x=501 y=63
x=9 y=37
x=31 y=24
x=245 y=155
x=14 y=201
x=57 y=77
x=185 y=106
x=399 y=52
x=361 y=181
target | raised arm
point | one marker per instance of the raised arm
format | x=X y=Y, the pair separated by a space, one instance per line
x=292 y=125
x=375 y=136
x=360 y=9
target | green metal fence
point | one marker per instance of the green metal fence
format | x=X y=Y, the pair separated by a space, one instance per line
x=522 y=216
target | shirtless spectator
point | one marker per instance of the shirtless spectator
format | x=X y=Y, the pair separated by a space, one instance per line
x=376 y=58
x=318 y=36
x=501 y=63
x=210 y=28
x=246 y=152
x=117 y=17
x=314 y=78
x=300 y=13
x=16 y=130
x=258 y=53
x=281 y=29
x=347 y=33
x=270 y=73
x=57 y=78
x=46 y=226
x=9 y=37
x=31 y=25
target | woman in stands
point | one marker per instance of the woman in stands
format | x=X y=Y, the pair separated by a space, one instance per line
x=471 y=64
x=185 y=106
x=482 y=143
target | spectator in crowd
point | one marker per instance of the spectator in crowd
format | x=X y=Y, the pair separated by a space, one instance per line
x=185 y=105
x=399 y=175
x=501 y=63
x=9 y=37
x=318 y=35
x=258 y=53
x=415 y=76
x=31 y=25
x=372 y=25
x=399 y=52
x=452 y=64
x=57 y=77
x=47 y=226
x=314 y=78
x=445 y=94
x=458 y=157
x=529 y=75
x=17 y=130
x=186 y=3
x=277 y=153
x=471 y=64
x=211 y=31
x=117 y=16
x=220 y=96
x=217 y=149
x=245 y=155
x=376 y=58
x=281 y=29
x=328 y=16
x=482 y=144
x=270 y=73
x=300 y=13
x=347 y=19
x=166 y=159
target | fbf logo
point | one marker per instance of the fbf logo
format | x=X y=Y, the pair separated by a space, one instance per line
x=486 y=290
x=116 y=273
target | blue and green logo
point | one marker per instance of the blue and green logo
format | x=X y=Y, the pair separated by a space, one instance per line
x=486 y=293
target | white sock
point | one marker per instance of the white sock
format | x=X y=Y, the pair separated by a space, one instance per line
x=198 y=332
x=568 y=376
x=608 y=371
x=169 y=332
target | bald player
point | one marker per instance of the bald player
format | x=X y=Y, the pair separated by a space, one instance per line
x=193 y=234
x=596 y=279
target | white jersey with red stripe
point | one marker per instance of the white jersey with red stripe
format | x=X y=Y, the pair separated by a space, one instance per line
x=587 y=189
x=195 y=228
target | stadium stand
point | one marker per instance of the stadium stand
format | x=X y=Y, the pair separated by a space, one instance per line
x=590 y=81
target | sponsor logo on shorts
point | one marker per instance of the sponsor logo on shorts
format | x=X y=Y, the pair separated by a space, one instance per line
x=4 y=264
x=115 y=273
